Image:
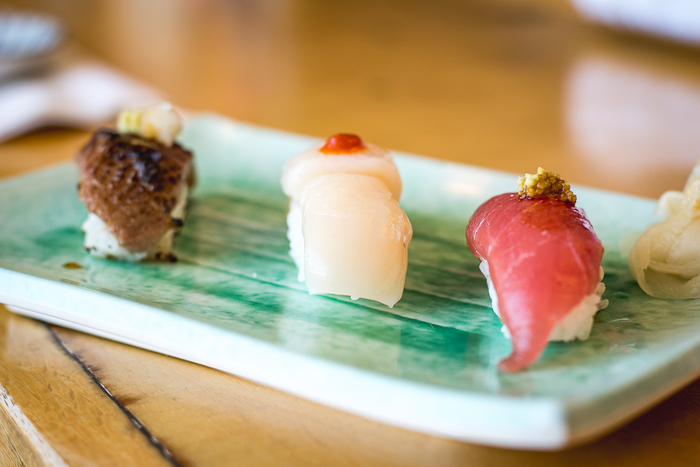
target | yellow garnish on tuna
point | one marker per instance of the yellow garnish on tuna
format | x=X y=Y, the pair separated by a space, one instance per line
x=545 y=184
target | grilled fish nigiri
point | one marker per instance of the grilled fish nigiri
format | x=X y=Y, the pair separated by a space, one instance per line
x=134 y=183
x=347 y=233
x=541 y=259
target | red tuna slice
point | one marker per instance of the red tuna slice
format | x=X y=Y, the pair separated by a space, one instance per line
x=544 y=258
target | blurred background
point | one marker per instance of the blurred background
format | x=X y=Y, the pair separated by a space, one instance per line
x=605 y=92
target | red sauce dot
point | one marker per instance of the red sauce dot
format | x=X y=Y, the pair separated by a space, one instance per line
x=343 y=143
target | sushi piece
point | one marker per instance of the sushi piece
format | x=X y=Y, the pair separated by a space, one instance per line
x=665 y=259
x=347 y=233
x=134 y=183
x=541 y=259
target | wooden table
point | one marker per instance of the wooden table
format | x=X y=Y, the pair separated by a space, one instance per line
x=506 y=84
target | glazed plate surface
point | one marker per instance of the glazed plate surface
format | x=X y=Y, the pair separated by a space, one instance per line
x=233 y=302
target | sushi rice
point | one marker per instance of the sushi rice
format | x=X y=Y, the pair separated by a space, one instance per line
x=576 y=324
x=296 y=237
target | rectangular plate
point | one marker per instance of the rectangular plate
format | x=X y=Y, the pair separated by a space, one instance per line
x=233 y=302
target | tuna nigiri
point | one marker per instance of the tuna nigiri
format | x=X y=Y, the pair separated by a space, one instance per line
x=541 y=259
x=347 y=233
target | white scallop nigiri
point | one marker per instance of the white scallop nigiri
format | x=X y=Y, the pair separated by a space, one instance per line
x=341 y=153
x=355 y=238
x=347 y=233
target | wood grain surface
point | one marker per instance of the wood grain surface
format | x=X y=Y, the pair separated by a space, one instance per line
x=195 y=416
x=72 y=413
x=506 y=84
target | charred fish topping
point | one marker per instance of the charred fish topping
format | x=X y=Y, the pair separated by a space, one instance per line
x=545 y=184
x=132 y=183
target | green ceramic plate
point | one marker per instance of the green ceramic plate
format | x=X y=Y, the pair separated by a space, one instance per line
x=428 y=364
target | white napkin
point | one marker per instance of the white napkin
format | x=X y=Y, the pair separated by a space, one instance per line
x=73 y=94
x=674 y=19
